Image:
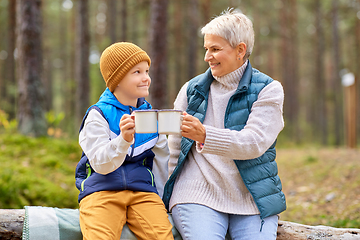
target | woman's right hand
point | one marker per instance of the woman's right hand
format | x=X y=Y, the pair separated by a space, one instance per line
x=192 y=128
x=127 y=127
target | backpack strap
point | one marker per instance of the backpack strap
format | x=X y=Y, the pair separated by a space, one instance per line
x=83 y=122
x=87 y=113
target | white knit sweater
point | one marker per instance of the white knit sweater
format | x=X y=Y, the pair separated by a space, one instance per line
x=210 y=176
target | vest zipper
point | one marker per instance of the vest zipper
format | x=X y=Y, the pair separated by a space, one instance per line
x=88 y=175
x=262 y=224
x=152 y=176
x=124 y=177
x=133 y=146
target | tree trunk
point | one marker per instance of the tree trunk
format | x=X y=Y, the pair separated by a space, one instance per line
x=357 y=69
x=320 y=86
x=31 y=94
x=10 y=80
x=112 y=15
x=337 y=93
x=290 y=56
x=158 y=52
x=295 y=231
x=82 y=60
x=206 y=6
x=178 y=43
x=124 y=20
x=192 y=46
x=47 y=67
x=294 y=66
x=12 y=221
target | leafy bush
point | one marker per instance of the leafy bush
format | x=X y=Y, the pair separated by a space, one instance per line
x=37 y=171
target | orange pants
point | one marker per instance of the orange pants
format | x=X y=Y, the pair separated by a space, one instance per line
x=103 y=215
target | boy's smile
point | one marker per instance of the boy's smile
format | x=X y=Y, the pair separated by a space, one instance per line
x=134 y=85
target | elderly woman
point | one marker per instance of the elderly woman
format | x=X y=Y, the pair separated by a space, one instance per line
x=223 y=174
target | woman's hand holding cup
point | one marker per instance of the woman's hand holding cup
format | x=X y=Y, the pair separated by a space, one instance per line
x=192 y=128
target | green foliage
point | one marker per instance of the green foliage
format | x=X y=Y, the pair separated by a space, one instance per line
x=53 y=119
x=5 y=123
x=37 y=171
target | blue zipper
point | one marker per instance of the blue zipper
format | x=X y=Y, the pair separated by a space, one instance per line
x=132 y=151
x=133 y=146
x=124 y=177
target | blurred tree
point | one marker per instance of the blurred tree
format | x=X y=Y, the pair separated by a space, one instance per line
x=192 y=44
x=307 y=40
x=335 y=76
x=47 y=63
x=31 y=113
x=66 y=52
x=289 y=63
x=124 y=20
x=158 y=52
x=357 y=61
x=320 y=113
x=82 y=60
x=112 y=20
x=10 y=79
x=178 y=43
x=206 y=7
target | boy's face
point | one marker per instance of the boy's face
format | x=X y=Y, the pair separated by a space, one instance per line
x=134 y=85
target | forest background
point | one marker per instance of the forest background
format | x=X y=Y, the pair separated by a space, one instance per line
x=308 y=45
x=49 y=76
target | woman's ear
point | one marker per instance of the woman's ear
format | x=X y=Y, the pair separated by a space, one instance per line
x=241 y=48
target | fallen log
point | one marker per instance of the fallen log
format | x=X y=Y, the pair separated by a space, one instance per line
x=296 y=231
x=12 y=222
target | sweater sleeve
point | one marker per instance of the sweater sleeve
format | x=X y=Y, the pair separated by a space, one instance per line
x=175 y=140
x=261 y=130
x=104 y=155
x=160 y=165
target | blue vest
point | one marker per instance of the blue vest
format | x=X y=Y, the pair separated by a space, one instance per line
x=260 y=175
x=136 y=172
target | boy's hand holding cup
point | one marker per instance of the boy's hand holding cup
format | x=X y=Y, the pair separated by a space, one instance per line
x=127 y=127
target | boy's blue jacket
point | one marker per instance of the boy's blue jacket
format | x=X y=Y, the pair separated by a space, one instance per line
x=136 y=172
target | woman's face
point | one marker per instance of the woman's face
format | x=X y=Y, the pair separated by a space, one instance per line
x=222 y=58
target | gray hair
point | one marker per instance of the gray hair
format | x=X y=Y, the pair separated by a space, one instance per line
x=235 y=27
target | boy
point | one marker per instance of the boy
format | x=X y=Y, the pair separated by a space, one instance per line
x=115 y=175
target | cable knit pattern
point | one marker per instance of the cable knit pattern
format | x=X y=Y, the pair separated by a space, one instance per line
x=231 y=80
x=210 y=176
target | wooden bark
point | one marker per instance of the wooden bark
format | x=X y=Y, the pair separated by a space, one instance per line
x=82 y=60
x=10 y=82
x=158 y=53
x=12 y=221
x=320 y=86
x=112 y=15
x=193 y=39
x=31 y=112
x=337 y=104
x=124 y=20
x=295 y=231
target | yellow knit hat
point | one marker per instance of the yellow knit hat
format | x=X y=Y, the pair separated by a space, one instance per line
x=117 y=60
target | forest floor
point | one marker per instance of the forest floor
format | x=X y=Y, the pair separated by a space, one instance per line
x=322 y=186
